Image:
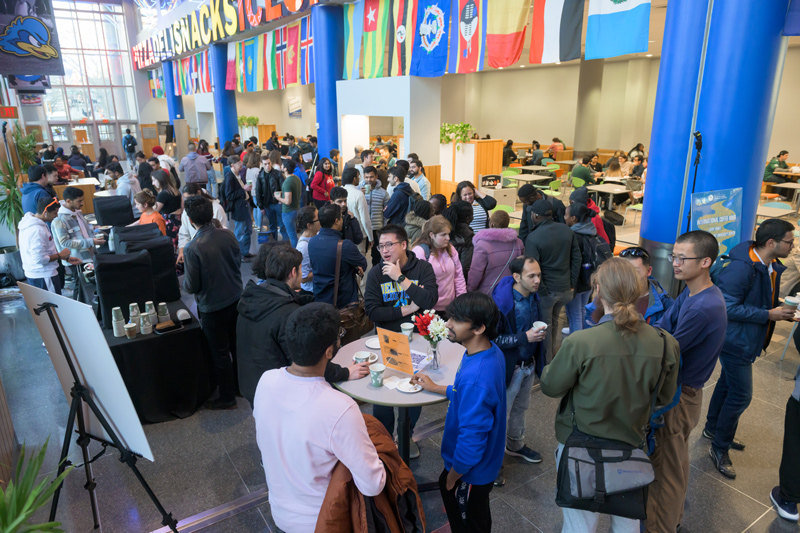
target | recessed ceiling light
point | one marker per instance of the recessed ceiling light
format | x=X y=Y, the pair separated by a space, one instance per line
x=501 y=68
x=649 y=55
x=651 y=41
x=558 y=62
x=522 y=66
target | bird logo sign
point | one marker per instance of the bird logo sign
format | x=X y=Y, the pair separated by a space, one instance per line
x=27 y=37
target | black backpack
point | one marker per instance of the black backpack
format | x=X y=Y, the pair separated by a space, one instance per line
x=130 y=143
x=221 y=196
x=594 y=252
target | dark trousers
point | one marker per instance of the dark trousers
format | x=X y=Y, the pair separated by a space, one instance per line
x=219 y=327
x=319 y=203
x=478 y=515
x=376 y=255
x=790 y=462
x=385 y=416
x=731 y=397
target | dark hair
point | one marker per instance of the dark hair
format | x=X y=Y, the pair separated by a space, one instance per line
x=329 y=214
x=402 y=163
x=280 y=262
x=71 y=193
x=368 y=170
x=145 y=197
x=36 y=173
x=49 y=168
x=782 y=153
x=338 y=192
x=305 y=216
x=128 y=130
x=705 y=244
x=349 y=175
x=637 y=252
x=193 y=189
x=441 y=198
x=115 y=167
x=162 y=178
x=640 y=158
x=580 y=211
x=517 y=264
x=284 y=150
x=773 y=228
x=199 y=210
x=509 y=143
x=333 y=153
x=535 y=145
x=260 y=261
x=232 y=160
x=312 y=139
x=365 y=154
x=586 y=159
x=478 y=309
x=399 y=172
x=394 y=229
x=422 y=208
x=321 y=166
x=463 y=185
x=416 y=162
x=313 y=329
x=412 y=155
x=50 y=204
x=526 y=190
x=141 y=154
x=154 y=159
x=289 y=165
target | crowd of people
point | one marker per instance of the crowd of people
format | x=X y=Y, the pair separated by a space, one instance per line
x=630 y=368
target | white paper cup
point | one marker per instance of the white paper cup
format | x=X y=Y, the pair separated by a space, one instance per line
x=539 y=324
x=376 y=374
x=408 y=329
x=790 y=302
x=362 y=357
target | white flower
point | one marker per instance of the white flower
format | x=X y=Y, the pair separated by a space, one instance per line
x=437 y=330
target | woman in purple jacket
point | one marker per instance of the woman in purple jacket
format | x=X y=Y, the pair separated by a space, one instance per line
x=495 y=248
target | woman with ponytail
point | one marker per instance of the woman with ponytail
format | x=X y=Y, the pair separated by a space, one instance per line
x=607 y=375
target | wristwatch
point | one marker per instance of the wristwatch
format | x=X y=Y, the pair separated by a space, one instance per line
x=401 y=279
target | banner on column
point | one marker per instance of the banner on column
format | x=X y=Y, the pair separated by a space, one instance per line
x=156 y=77
x=719 y=213
x=28 y=39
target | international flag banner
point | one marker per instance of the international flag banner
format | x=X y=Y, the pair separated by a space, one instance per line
x=190 y=74
x=376 y=18
x=176 y=80
x=230 y=70
x=280 y=55
x=250 y=65
x=505 y=31
x=205 y=72
x=429 y=58
x=403 y=22
x=616 y=28
x=240 y=67
x=292 y=67
x=353 y=26
x=306 y=51
x=291 y=7
x=792 y=24
x=156 y=79
x=556 y=31
x=467 y=36
x=270 y=61
x=259 y=86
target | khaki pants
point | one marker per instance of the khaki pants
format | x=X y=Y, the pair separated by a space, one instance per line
x=671 y=463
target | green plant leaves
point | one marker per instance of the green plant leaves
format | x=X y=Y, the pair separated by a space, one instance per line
x=10 y=198
x=454 y=132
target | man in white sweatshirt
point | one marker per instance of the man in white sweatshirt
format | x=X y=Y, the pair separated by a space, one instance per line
x=38 y=250
x=357 y=204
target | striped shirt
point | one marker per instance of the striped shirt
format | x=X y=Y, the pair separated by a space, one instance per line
x=478 y=217
x=377 y=199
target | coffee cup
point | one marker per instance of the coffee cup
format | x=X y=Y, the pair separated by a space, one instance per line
x=130 y=330
x=162 y=309
x=376 y=374
x=116 y=314
x=149 y=307
x=539 y=325
x=790 y=302
x=362 y=357
x=408 y=330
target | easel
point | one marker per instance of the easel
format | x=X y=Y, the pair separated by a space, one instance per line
x=80 y=394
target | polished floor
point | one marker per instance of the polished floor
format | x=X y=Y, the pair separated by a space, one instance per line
x=211 y=458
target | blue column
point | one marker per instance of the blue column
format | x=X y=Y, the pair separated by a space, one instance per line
x=225 y=115
x=174 y=103
x=737 y=100
x=327 y=25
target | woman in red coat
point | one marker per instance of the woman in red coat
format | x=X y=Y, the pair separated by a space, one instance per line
x=322 y=183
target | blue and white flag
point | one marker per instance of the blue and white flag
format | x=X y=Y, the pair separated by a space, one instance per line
x=617 y=27
x=429 y=57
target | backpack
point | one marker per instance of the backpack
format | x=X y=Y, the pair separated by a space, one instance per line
x=129 y=143
x=611 y=231
x=594 y=252
x=717 y=268
x=221 y=196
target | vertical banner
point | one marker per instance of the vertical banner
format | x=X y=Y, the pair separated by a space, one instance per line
x=402 y=23
x=250 y=64
x=617 y=28
x=429 y=58
x=280 y=56
x=556 y=31
x=376 y=18
x=719 y=213
x=306 y=51
x=505 y=32
x=467 y=36
x=28 y=39
x=271 y=64
x=292 y=67
x=156 y=79
x=230 y=71
x=353 y=20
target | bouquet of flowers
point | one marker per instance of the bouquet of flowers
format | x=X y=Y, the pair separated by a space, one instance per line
x=431 y=327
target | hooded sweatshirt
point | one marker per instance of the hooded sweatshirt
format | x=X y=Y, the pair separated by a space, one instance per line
x=31 y=194
x=195 y=168
x=70 y=230
x=397 y=207
x=36 y=245
x=494 y=249
x=449 y=274
x=413 y=226
x=584 y=230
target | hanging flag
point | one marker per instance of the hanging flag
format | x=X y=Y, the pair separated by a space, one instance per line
x=205 y=72
x=376 y=17
x=270 y=63
x=259 y=85
x=306 y=51
x=467 y=36
x=230 y=70
x=429 y=58
x=176 y=80
x=617 y=28
x=402 y=22
x=792 y=25
x=156 y=79
x=505 y=34
x=353 y=25
x=280 y=56
x=250 y=65
x=292 y=66
x=556 y=30
x=240 y=67
x=291 y=7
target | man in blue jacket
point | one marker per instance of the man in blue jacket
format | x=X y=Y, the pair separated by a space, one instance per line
x=516 y=297
x=397 y=207
x=750 y=284
x=475 y=427
x=322 y=250
x=36 y=188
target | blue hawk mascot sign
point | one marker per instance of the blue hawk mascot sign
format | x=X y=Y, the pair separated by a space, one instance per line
x=28 y=39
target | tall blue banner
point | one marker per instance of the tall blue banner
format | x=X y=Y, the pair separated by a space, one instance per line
x=429 y=57
x=719 y=213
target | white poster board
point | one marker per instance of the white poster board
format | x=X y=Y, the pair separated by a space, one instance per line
x=94 y=364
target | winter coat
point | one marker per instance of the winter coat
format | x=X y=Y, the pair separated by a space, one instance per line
x=31 y=194
x=398 y=206
x=413 y=226
x=583 y=231
x=36 y=245
x=195 y=168
x=494 y=248
x=508 y=340
x=461 y=239
x=70 y=230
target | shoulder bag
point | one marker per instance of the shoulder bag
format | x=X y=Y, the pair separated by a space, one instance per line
x=353 y=316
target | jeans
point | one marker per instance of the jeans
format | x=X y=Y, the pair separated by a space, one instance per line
x=219 y=328
x=518 y=398
x=790 y=462
x=131 y=159
x=53 y=284
x=731 y=397
x=257 y=214
x=579 y=521
x=576 y=311
x=275 y=215
x=243 y=231
x=551 y=306
x=212 y=183
x=290 y=226
x=385 y=416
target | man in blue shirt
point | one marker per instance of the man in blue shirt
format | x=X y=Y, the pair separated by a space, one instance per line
x=475 y=427
x=36 y=188
x=697 y=320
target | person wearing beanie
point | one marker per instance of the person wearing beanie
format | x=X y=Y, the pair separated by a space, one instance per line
x=581 y=196
x=415 y=218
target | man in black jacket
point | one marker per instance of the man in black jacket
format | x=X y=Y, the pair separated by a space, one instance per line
x=351 y=229
x=237 y=196
x=213 y=275
x=263 y=311
x=398 y=287
x=398 y=206
x=556 y=248
x=528 y=194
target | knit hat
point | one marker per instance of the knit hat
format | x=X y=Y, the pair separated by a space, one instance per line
x=543 y=208
x=157 y=150
x=423 y=209
x=580 y=196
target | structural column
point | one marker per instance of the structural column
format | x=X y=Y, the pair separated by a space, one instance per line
x=327 y=25
x=735 y=108
x=590 y=88
x=174 y=103
x=225 y=114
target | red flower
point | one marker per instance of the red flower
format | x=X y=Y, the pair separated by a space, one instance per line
x=422 y=322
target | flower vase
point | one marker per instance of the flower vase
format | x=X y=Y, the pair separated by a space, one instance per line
x=433 y=353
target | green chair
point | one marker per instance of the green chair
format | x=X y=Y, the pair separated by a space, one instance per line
x=546 y=160
x=554 y=187
x=511 y=172
x=637 y=208
x=502 y=207
x=552 y=167
x=578 y=183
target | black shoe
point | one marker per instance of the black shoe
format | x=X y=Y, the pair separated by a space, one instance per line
x=735 y=444
x=500 y=480
x=722 y=463
x=220 y=405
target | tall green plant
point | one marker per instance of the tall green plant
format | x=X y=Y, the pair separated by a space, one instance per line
x=454 y=132
x=22 y=497
x=10 y=198
x=26 y=147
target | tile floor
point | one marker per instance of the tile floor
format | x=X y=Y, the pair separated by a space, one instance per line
x=211 y=458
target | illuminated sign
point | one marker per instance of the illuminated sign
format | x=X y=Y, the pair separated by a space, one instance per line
x=215 y=21
x=8 y=112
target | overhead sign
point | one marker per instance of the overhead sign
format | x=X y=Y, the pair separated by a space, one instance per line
x=28 y=39
x=212 y=22
x=719 y=213
x=9 y=112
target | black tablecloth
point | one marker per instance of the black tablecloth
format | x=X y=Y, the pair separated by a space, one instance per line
x=168 y=376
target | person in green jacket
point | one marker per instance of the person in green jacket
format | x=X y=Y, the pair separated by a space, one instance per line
x=776 y=163
x=585 y=173
x=609 y=373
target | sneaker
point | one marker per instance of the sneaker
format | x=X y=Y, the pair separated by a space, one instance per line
x=722 y=463
x=735 y=445
x=413 y=449
x=500 y=480
x=526 y=453
x=787 y=510
x=220 y=405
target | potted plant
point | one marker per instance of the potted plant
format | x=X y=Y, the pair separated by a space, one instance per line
x=26 y=147
x=454 y=133
x=10 y=215
x=248 y=125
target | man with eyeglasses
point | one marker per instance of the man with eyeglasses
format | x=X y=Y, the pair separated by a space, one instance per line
x=400 y=286
x=750 y=283
x=698 y=321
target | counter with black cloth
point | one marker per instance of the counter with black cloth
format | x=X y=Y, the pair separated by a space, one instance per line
x=168 y=376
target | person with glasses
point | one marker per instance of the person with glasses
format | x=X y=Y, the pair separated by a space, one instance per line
x=698 y=321
x=397 y=288
x=750 y=283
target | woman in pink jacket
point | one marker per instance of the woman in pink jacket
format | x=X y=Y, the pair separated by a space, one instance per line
x=433 y=245
x=495 y=248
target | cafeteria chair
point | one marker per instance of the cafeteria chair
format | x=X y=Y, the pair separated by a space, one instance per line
x=546 y=160
x=554 y=188
x=511 y=172
x=577 y=183
x=637 y=208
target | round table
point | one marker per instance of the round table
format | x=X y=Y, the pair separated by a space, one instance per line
x=450 y=355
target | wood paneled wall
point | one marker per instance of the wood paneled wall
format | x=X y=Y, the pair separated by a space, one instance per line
x=488 y=158
x=147 y=143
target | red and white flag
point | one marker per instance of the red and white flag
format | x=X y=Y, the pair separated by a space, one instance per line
x=556 y=30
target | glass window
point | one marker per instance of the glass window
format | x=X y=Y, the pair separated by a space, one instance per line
x=73 y=69
x=106 y=132
x=96 y=68
x=54 y=106
x=62 y=5
x=91 y=31
x=78 y=102
x=125 y=103
x=79 y=136
x=120 y=68
x=114 y=32
x=60 y=133
x=67 y=30
x=102 y=103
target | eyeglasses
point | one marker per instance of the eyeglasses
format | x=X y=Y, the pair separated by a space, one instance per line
x=790 y=243
x=680 y=260
x=634 y=251
x=386 y=246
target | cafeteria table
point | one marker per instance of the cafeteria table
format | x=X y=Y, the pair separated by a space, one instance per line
x=789 y=185
x=610 y=189
x=773 y=212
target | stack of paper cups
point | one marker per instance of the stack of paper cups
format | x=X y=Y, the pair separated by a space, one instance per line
x=118 y=322
x=133 y=313
x=163 y=312
x=147 y=325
